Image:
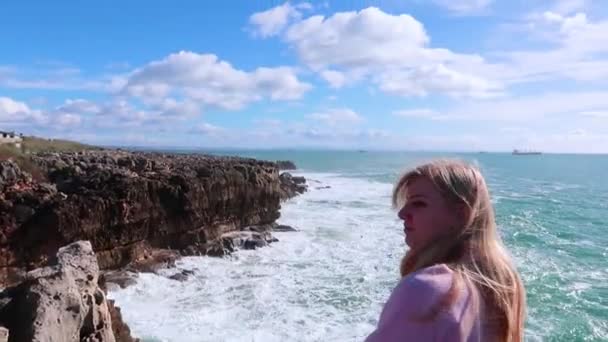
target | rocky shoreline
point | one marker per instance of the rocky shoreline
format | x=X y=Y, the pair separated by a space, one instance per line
x=137 y=211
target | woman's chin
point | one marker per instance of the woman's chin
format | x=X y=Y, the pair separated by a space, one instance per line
x=408 y=242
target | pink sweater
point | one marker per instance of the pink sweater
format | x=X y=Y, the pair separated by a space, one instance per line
x=414 y=296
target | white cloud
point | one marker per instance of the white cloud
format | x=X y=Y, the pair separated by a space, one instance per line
x=149 y=90
x=337 y=116
x=375 y=134
x=437 y=78
x=335 y=79
x=391 y=50
x=175 y=109
x=209 y=81
x=50 y=79
x=595 y=113
x=10 y=107
x=207 y=129
x=120 y=112
x=416 y=113
x=464 y=6
x=78 y=106
x=515 y=130
x=16 y=112
x=356 y=39
x=273 y=21
x=565 y=105
x=578 y=50
x=268 y=122
x=574 y=141
x=69 y=120
x=570 y=6
x=579 y=131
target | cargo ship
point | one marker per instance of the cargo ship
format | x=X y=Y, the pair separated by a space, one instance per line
x=525 y=152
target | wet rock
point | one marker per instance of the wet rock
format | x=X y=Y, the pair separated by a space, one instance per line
x=299 y=180
x=291 y=186
x=286 y=165
x=122 y=279
x=218 y=248
x=246 y=240
x=179 y=277
x=154 y=261
x=122 y=332
x=259 y=228
x=284 y=228
x=182 y=276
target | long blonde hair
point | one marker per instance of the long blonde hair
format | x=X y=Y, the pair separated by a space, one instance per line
x=476 y=253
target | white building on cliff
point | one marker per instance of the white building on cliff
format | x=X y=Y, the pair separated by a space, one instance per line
x=11 y=138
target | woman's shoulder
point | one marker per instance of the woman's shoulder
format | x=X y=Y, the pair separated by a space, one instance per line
x=429 y=282
x=421 y=289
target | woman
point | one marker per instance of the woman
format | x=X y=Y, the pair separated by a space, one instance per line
x=458 y=282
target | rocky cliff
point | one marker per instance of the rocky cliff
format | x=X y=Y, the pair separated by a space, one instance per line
x=130 y=206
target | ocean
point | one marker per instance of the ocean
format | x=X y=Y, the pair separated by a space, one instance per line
x=329 y=280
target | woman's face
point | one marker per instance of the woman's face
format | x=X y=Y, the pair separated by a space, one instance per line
x=426 y=214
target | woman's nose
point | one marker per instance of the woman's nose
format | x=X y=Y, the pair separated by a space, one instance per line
x=405 y=215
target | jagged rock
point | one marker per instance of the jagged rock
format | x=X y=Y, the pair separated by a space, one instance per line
x=260 y=228
x=60 y=302
x=121 y=330
x=291 y=186
x=120 y=278
x=246 y=240
x=299 y=180
x=284 y=228
x=323 y=187
x=10 y=174
x=179 y=277
x=182 y=276
x=286 y=165
x=154 y=261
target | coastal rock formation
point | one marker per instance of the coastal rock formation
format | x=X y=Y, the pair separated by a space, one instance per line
x=292 y=186
x=63 y=302
x=286 y=165
x=10 y=173
x=131 y=205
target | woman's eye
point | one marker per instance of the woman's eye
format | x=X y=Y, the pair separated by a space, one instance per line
x=418 y=204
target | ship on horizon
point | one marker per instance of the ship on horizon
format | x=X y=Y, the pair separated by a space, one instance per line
x=525 y=152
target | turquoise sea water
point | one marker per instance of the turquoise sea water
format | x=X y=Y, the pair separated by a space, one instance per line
x=552 y=212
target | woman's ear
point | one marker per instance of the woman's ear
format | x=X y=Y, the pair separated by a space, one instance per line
x=463 y=213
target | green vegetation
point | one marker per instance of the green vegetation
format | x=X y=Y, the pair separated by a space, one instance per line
x=34 y=145
x=8 y=151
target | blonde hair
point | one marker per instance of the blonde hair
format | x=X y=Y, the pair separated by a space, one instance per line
x=476 y=253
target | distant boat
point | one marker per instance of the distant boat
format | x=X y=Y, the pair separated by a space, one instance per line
x=525 y=152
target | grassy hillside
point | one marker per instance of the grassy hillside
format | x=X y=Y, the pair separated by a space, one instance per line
x=35 y=144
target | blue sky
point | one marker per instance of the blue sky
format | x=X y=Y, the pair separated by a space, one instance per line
x=434 y=75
